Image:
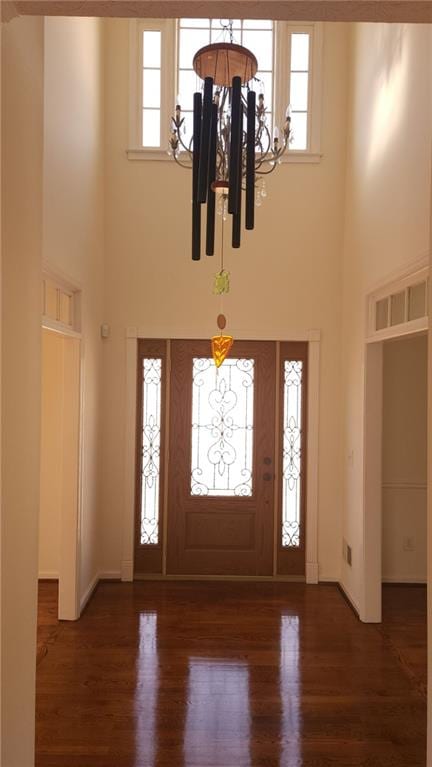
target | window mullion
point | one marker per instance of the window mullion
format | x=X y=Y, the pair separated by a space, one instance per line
x=169 y=84
x=281 y=71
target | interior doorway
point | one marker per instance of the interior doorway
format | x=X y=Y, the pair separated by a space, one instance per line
x=395 y=460
x=404 y=456
x=221 y=460
x=60 y=468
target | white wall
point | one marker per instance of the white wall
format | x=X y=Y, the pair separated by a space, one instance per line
x=22 y=144
x=54 y=204
x=387 y=217
x=286 y=277
x=51 y=454
x=404 y=464
x=73 y=225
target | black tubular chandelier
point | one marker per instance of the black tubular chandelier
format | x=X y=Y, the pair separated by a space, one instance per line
x=232 y=144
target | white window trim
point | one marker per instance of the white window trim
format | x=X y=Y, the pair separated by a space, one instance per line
x=168 y=29
x=282 y=71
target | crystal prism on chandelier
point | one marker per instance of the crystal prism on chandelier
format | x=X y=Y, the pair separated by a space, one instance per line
x=232 y=147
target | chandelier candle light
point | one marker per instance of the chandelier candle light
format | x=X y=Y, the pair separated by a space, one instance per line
x=226 y=158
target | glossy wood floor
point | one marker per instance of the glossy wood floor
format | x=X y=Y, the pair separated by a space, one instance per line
x=231 y=675
x=404 y=627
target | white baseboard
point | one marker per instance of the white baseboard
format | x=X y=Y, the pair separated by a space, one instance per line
x=406 y=579
x=127 y=573
x=329 y=579
x=88 y=592
x=48 y=575
x=311 y=572
x=105 y=575
x=110 y=575
x=350 y=598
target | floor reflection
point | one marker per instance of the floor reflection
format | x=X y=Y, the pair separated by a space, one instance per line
x=232 y=675
x=290 y=690
x=147 y=683
x=217 y=729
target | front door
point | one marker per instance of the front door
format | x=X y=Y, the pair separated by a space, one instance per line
x=221 y=471
x=221 y=460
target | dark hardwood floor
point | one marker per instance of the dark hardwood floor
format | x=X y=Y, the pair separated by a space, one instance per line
x=192 y=674
x=404 y=627
x=48 y=625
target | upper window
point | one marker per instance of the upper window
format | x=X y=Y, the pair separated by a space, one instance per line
x=289 y=74
x=193 y=34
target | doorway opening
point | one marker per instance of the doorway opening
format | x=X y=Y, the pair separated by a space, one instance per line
x=395 y=484
x=404 y=502
x=404 y=456
x=221 y=460
x=60 y=472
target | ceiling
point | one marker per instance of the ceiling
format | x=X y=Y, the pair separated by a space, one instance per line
x=299 y=10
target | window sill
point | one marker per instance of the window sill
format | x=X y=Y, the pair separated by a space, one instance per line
x=160 y=155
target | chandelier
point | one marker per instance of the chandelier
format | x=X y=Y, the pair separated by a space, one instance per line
x=232 y=145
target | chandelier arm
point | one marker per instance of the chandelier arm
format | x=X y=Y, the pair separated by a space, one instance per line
x=184 y=146
x=274 y=161
x=181 y=164
x=268 y=138
x=223 y=100
x=262 y=158
x=266 y=172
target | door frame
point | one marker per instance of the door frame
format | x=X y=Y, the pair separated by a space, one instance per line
x=370 y=607
x=313 y=337
x=69 y=575
x=69 y=562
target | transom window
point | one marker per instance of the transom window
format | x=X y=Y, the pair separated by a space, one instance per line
x=289 y=74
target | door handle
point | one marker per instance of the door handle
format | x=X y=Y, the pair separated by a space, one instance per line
x=267 y=477
x=267 y=460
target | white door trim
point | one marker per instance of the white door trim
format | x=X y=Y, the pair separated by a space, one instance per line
x=70 y=525
x=69 y=606
x=370 y=600
x=371 y=575
x=313 y=338
x=312 y=477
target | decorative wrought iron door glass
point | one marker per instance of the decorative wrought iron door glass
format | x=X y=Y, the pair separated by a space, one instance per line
x=222 y=427
x=151 y=440
x=291 y=461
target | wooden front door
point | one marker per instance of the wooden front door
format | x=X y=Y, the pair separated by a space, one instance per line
x=221 y=460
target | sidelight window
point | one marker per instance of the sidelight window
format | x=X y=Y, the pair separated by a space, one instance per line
x=292 y=448
x=151 y=450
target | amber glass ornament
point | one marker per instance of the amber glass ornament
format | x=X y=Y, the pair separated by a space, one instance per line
x=221 y=346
